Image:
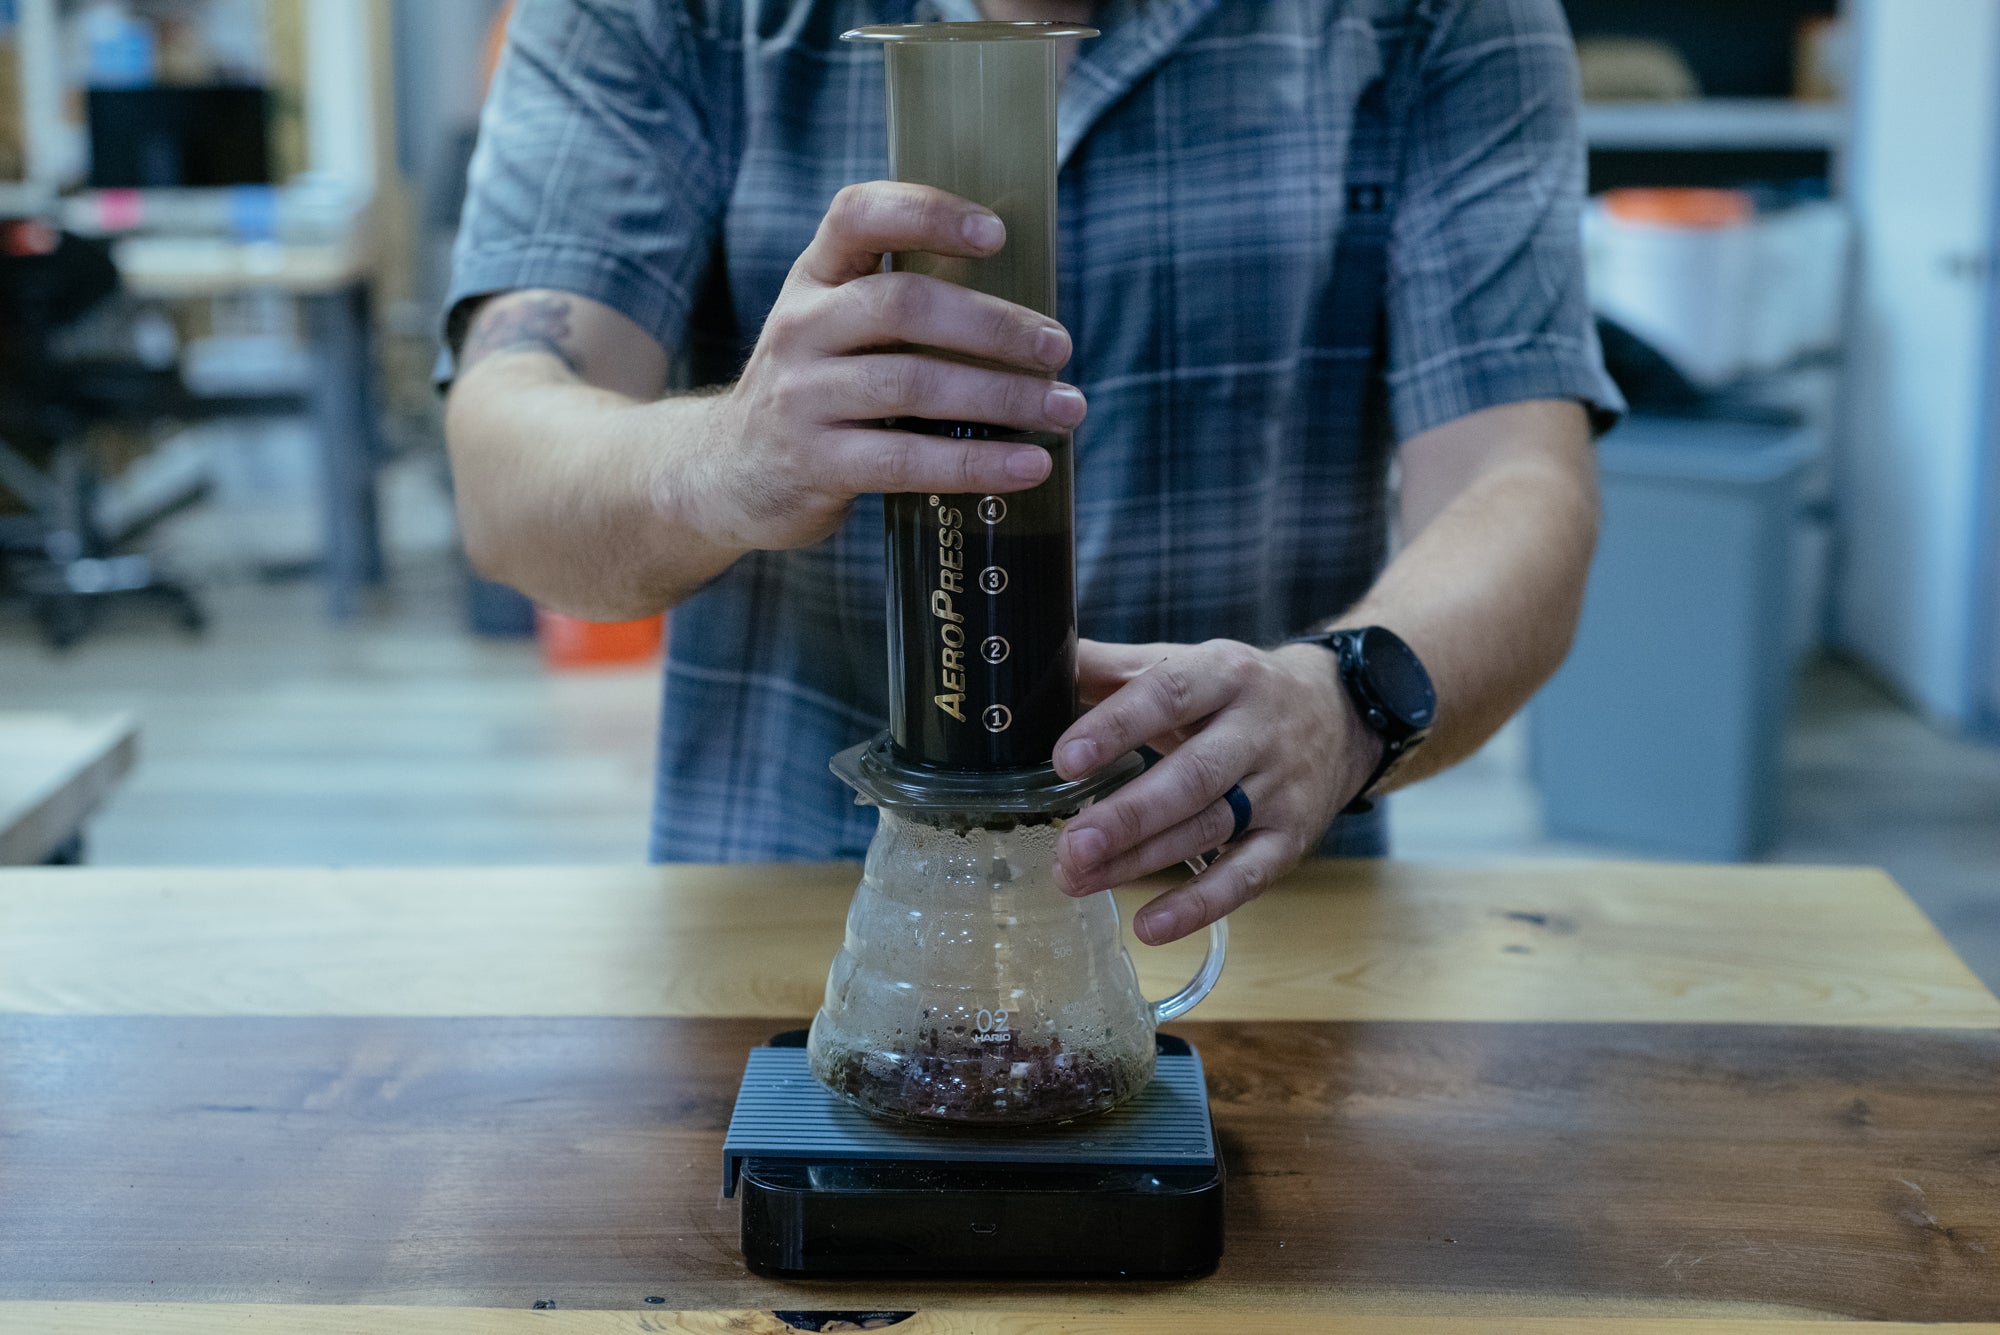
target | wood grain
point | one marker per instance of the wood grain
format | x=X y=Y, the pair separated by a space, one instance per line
x=1434 y=1169
x=55 y=769
x=220 y=1319
x=1337 y=941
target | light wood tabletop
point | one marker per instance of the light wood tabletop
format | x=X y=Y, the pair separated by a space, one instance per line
x=55 y=770
x=167 y=268
x=1547 y=1099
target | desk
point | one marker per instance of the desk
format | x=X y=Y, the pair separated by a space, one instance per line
x=55 y=770
x=330 y=282
x=1563 y=1099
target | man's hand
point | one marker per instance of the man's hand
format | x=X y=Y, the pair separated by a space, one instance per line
x=1276 y=723
x=1499 y=509
x=583 y=487
x=801 y=434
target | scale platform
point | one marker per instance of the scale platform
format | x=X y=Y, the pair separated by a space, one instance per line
x=828 y=1191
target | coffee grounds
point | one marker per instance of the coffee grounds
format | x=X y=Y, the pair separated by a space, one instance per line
x=1009 y=1083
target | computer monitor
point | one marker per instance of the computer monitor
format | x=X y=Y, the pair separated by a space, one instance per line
x=179 y=136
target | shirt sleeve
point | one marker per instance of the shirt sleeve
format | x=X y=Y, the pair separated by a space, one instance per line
x=1486 y=299
x=596 y=170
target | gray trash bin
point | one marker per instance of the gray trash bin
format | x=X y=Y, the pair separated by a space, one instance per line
x=1662 y=731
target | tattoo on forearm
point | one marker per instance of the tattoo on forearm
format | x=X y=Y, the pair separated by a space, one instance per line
x=521 y=324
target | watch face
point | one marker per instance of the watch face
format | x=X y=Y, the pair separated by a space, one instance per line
x=1398 y=677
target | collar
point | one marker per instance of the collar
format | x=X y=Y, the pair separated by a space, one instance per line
x=1138 y=36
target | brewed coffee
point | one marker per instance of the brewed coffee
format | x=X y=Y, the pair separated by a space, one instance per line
x=971 y=989
x=1012 y=1084
x=982 y=617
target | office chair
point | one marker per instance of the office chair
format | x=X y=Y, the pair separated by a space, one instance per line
x=57 y=555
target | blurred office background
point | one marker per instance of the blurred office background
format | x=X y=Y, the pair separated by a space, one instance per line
x=226 y=542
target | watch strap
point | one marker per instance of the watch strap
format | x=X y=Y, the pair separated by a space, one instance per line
x=1393 y=756
x=1398 y=741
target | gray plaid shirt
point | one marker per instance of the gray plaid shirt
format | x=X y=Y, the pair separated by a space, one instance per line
x=671 y=158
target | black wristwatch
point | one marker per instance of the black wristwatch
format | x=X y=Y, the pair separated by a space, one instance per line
x=1391 y=691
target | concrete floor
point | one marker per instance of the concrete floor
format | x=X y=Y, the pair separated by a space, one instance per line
x=279 y=738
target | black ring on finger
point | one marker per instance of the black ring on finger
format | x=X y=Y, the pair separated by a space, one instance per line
x=1239 y=807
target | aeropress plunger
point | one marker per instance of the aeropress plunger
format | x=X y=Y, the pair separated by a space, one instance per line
x=969 y=988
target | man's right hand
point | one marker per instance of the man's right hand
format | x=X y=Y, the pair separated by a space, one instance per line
x=800 y=435
x=578 y=484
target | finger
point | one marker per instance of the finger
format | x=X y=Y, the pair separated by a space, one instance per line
x=1241 y=874
x=1180 y=788
x=866 y=222
x=1102 y=668
x=1181 y=689
x=1202 y=833
x=866 y=388
x=891 y=461
x=886 y=309
x=1105 y=667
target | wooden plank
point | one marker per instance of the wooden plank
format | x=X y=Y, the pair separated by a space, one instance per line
x=1375 y=1168
x=1337 y=941
x=219 y=1319
x=55 y=769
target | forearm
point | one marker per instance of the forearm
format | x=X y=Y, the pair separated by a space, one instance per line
x=1489 y=589
x=569 y=492
x=581 y=486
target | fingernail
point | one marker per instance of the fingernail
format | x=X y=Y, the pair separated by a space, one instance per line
x=1078 y=759
x=1085 y=848
x=985 y=231
x=1029 y=465
x=1064 y=404
x=1051 y=347
x=1156 y=925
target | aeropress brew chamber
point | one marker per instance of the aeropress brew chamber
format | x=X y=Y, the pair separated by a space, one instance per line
x=981 y=589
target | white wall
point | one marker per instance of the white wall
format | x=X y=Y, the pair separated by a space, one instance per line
x=340 y=108
x=1926 y=119
x=1986 y=583
x=55 y=149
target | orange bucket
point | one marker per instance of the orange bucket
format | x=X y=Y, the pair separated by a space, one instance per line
x=570 y=642
x=1676 y=207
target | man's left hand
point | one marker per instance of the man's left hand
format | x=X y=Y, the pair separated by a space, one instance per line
x=1276 y=723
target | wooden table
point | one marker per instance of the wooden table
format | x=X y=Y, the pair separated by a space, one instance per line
x=55 y=770
x=1566 y=1098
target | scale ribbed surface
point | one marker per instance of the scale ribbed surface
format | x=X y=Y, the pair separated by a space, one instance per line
x=783 y=1113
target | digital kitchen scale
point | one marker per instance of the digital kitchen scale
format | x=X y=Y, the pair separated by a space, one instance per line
x=829 y=1191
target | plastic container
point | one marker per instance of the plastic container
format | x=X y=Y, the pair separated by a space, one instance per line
x=1676 y=268
x=570 y=643
x=1798 y=282
x=1662 y=732
x=1719 y=287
